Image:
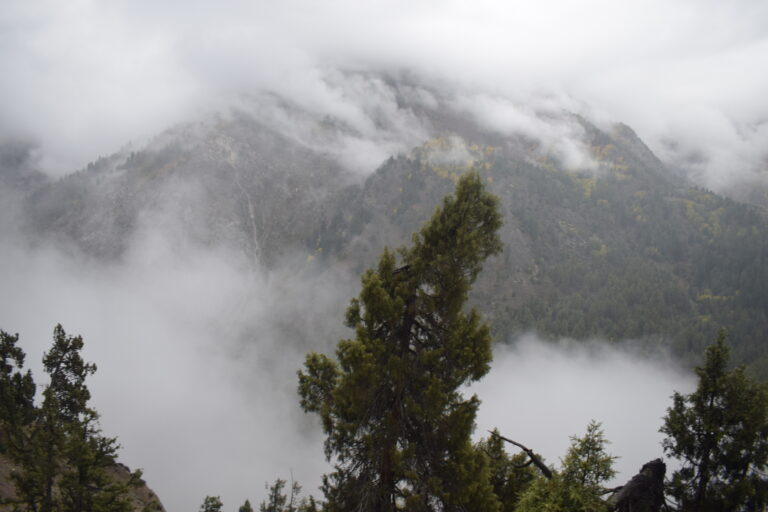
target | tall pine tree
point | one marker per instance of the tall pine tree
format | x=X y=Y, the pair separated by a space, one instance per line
x=63 y=461
x=720 y=435
x=397 y=425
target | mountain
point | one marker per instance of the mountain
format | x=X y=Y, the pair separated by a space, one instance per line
x=601 y=238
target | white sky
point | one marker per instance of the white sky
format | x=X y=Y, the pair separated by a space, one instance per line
x=85 y=77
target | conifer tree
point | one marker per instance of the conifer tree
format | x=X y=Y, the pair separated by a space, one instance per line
x=62 y=457
x=577 y=487
x=279 y=501
x=510 y=475
x=17 y=392
x=397 y=425
x=211 y=504
x=719 y=433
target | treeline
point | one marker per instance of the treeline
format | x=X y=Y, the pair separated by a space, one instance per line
x=629 y=254
x=622 y=252
x=60 y=460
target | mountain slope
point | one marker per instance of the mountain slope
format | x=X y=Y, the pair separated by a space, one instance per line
x=622 y=252
x=601 y=240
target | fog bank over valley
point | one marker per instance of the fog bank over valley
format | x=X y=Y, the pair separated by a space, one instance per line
x=197 y=358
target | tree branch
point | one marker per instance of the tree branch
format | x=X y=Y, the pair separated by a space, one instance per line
x=534 y=458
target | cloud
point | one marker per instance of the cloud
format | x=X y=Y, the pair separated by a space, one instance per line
x=197 y=359
x=557 y=133
x=542 y=393
x=86 y=77
x=196 y=354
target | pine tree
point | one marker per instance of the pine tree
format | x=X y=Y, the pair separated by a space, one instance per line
x=17 y=410
x=246 y=507
x=211 y=504
x=279 y=501
x=397 y=425
x=719 y=433
x=62 y=457
x=510 y=475
x=17 y=392
x=577 y=487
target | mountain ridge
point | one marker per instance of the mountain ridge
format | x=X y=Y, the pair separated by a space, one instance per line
x=601 y=239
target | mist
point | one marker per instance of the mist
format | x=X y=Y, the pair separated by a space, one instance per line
x=542 y=393
x=82 y=79
x=197 y=357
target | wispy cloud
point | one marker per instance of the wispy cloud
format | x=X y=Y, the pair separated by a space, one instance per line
x=83 y=78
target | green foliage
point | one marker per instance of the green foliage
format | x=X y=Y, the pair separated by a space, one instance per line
x=278 y=501
x=62 y=459
x=719 y=433
x=639 y=255
x=577 y=487
x=211 y=504
x=245 y=507
x=509 y=475
x=640 y=258
x=396 y=422
x=587 y=464
x=17 y=391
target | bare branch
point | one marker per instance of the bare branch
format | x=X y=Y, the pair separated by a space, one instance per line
x=534 y=458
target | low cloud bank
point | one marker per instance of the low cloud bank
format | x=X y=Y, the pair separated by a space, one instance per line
x=196 y=361
x=197 y=357
x=540 y=393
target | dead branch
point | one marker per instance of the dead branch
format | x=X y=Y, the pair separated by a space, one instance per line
x=533 y=457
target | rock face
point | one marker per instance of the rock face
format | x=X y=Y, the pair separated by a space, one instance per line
x=644 y=492
x=142 y=497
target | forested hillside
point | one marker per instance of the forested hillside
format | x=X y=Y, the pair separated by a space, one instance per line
x=613 y=246
x=623 y=252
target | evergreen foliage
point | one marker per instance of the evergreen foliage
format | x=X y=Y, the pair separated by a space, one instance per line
x=627 y=252
x=61 y=456
x=719 y=433
x=17 y=392
x=211 y=504
x=577 y=487
x=509 y=475
x=397 y=425
x=278 y=501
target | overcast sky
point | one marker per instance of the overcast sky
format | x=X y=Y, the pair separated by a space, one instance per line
x=82 y=78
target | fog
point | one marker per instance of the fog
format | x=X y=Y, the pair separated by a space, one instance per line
x=542 y=393
x=197 y=353
x=83 y=78
x=197 y=358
